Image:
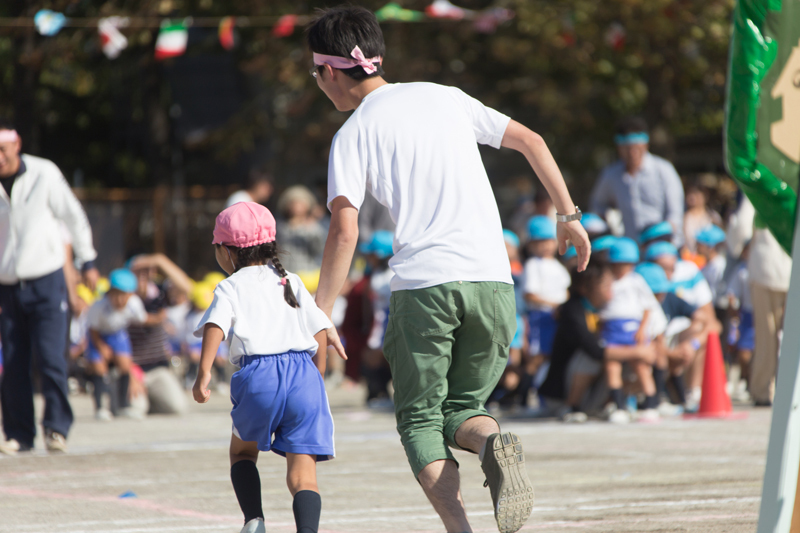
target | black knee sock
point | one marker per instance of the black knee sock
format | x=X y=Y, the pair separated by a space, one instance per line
x=247 y=486
x=680 y=388
x=307 y=507
x=123 y=382
x=651 y=402
x=100 y=388
x=659 y=376
x=618 y=398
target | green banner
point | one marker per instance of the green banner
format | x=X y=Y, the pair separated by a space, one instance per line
x=762 y=130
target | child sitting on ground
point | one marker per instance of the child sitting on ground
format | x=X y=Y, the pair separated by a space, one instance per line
x=711 y=246
x=278 y=337
x=201 y=298
x=108 y=321
x=625 y=323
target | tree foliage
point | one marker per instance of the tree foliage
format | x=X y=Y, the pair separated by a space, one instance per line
x=568 y=69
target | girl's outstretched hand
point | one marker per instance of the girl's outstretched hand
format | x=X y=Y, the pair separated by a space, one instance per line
x=200 y=390
x=333 y=340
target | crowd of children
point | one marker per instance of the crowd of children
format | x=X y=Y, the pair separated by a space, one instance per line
x=660 y=297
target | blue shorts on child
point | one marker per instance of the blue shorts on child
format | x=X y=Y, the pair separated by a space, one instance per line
x=542 y=331
x=620 y=332
x=747 y=331
x=119 y=342
x=282 y=396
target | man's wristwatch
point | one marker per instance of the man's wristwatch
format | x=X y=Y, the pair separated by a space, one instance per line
x=569 y=218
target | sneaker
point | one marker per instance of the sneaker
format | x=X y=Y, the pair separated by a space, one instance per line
x=131 y=413
x=574 y=417
x=620 y=416
x=103 y=415
x=511 y=489
x=669 y=409
x=55 y=442
x=648 y=416
x=256 y=525
x=12 y=447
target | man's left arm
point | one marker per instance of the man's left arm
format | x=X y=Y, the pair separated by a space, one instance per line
x=673 y=194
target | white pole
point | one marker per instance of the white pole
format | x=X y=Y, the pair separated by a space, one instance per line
x=783 y=453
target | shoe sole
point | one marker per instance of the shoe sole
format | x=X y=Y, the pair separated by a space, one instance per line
x=515 y=495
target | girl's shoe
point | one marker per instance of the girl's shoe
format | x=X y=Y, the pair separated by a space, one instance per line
x=620 y=416
x=256 y=525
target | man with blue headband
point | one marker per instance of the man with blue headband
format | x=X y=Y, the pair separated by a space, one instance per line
x=644 y=187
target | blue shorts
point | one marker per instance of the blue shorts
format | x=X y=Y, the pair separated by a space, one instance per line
x=282 y=396
x=519 y=336
x=542 y=331
x=620 y=332
x=747 y=331
x=119 y=342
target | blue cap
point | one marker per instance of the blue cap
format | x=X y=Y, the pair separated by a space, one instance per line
x=380 y=244
x=593 y=223
x=510 y=237
x=655 y=277
x=123 y=280
x=660 y=249
x=710 y=236
x=662 y=229
x=570 y=253
x=624 y=250
x=601 y=244
x=541 y=227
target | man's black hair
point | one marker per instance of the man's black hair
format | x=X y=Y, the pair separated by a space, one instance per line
x=628 y=125
x=584 y=282
x=6 y=124
x=338 y=30
x=255 y=176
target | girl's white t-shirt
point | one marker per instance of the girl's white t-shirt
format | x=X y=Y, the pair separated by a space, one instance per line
x=414 y=147
x=547 y=278
x=250 y=309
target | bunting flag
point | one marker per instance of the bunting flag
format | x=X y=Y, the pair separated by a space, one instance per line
x=171 y=40
x=285 y=26
x=49 y=23
x=488 y=21
x=443 y=9
x=615 y=36
x=111 y=39
x=393 y=11
x=227 y=37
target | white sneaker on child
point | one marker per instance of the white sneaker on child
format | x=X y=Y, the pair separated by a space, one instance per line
x=649 y=416
x=574 y=417
x=669 y=409
x=103 y=415
x=620 y=416
x=256 y=525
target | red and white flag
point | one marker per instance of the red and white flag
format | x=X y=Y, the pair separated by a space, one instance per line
x=111 y=39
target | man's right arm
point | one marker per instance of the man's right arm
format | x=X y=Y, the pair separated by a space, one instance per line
x=338 y=254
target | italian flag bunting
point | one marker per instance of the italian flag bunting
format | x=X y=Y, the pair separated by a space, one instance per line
x=171 y=40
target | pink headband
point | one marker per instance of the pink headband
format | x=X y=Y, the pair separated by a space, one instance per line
x=345 y=62
x=8 y=136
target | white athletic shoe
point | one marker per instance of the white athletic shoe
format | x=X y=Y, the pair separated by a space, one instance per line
x=649 y=416
x=620 y=416
x=669 y=409
x=10 y=447
x=256 y=525
x=55 y=442
x=574 y=417
x=103 y=415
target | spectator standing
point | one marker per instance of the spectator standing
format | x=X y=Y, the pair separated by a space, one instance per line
x=770 y=269
x=34 y=197
x=257 y=187
x=645 y=188
x=698 y=215
x=302 y=235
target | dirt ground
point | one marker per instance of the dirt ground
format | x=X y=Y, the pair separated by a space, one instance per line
x=170 y=474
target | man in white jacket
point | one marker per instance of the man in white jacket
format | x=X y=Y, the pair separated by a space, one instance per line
x=34 y=197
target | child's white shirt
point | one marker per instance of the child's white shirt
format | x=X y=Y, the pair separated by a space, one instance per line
x=190 y=322
x=546 y=278
x=414 y=147
x=250 y=309
x=714 y=272
x=630 y=298
x=176 y=320
x=690 y=284
x=739 y=287
x=380 y=284
x=103 y=318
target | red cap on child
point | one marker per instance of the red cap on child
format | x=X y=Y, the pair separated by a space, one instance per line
x=243 y=225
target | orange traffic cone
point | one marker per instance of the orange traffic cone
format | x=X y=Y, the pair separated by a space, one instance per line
x=715 y=402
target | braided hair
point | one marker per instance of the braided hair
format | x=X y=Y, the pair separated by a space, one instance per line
x=261 y=254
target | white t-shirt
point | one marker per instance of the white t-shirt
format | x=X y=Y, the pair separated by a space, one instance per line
x=739 y=288
x=249 y=307
x=630 y=298
x=414 y=147
x=546 y=278
x=690 y=285
x=713 y=272
x=769 y=265
x=238 y=196
x=104 y=319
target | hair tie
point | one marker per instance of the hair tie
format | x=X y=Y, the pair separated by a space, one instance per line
x=283 y=281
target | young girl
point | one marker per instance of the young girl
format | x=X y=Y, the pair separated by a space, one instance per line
x=279 y=400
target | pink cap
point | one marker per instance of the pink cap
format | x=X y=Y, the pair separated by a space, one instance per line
x=244 y=224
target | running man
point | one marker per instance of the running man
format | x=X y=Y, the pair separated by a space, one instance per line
x=414 y=147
